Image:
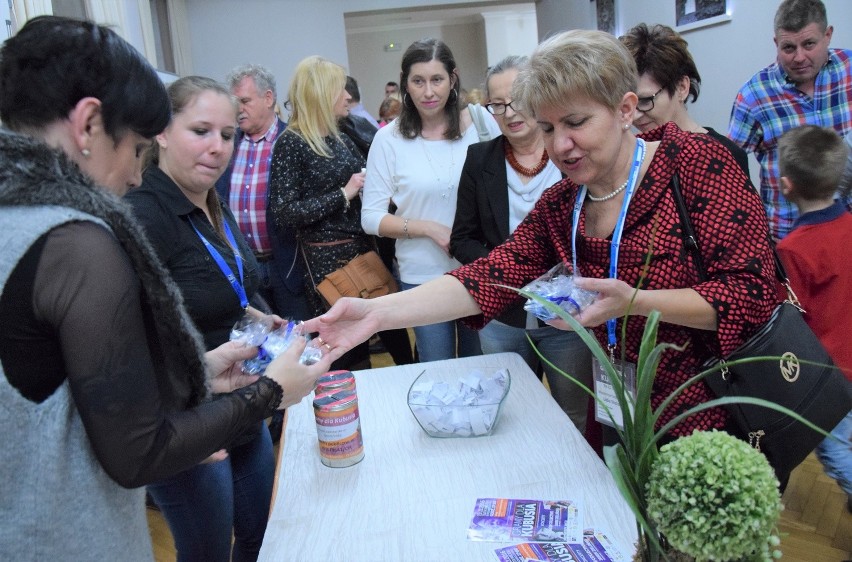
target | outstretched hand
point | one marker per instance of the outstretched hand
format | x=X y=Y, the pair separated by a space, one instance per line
x=345 y=325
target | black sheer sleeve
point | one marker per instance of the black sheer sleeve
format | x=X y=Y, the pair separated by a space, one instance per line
x=87 y=292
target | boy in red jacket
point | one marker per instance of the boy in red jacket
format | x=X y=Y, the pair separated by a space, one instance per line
x=818 y=258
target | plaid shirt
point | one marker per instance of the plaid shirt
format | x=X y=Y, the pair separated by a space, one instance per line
x=248 y=194
x=769 y=104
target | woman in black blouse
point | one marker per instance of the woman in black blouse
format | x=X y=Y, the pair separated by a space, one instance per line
x=103 y=378
x=316 y=179
x=199 y=242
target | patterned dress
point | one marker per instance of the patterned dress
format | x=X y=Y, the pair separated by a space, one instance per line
x=305 y=194
x=732 y=229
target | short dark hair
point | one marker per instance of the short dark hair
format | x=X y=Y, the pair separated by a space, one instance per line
x=426 y=50
x=794 y=15
x=813 y=159
x=662 y=53
x=351 y=88
x=394 y=84
x=54 y=62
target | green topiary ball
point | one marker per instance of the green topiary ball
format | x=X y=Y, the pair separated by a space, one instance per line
x=715 y=498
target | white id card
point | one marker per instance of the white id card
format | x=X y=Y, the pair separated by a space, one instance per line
x=605 y=391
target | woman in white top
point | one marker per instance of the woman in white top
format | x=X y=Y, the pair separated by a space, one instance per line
x=415 y=163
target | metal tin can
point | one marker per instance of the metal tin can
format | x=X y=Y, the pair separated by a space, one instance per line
x=339 y=428
x=335 y=381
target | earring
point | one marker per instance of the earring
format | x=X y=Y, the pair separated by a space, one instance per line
x=626 y=126
x=86 y=152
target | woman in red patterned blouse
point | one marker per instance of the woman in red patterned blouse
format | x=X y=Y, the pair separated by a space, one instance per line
x=580 y=86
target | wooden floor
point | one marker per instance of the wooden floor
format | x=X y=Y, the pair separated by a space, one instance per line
x=815 y=525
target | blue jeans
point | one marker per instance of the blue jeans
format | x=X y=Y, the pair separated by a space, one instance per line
x=836 y=456
x=439 y=341
x=204 y=504
x=563 y=348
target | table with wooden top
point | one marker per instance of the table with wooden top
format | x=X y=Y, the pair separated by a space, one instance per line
x=412 y=496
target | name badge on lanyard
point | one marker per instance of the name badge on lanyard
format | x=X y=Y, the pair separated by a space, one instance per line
x=236 y=283
x=626 y=370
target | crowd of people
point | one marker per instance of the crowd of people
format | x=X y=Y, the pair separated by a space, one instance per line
x=142 y=222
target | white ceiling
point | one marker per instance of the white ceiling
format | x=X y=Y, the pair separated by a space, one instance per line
x=424 y=16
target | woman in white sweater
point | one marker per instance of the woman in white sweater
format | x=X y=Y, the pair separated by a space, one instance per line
x=415 y=163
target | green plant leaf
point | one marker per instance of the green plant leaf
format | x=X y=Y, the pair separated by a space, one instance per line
x=632 y=492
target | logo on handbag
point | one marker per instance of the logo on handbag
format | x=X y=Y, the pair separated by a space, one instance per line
x=789 y=366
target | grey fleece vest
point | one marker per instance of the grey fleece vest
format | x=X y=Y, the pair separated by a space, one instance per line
x=56 y=502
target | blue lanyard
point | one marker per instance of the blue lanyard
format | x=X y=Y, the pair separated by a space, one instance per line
x=237 y=284
x=638 y=158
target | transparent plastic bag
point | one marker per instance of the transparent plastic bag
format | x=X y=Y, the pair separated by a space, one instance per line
x=271 y=342
x=557 y=286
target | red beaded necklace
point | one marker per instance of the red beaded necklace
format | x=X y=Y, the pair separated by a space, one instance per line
x=524 y=171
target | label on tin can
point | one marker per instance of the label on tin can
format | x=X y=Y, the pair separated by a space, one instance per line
x=339 y=428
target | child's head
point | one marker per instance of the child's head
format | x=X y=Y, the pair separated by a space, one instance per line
x=811 y=160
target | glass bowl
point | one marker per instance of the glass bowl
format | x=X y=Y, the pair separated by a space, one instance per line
x=449 y=405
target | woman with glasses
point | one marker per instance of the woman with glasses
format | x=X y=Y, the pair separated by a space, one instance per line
x=613 y=220
x=668 y=78
x=415 y=163
x=501 y=181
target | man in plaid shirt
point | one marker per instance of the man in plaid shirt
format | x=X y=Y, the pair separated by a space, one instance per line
x=808 y=84
x=244 y=187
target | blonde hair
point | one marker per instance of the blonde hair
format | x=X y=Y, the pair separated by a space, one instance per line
x=576 y=63
x=316 y=86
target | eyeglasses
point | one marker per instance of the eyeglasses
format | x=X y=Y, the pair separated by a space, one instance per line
x=500 y=108
x=647 y=103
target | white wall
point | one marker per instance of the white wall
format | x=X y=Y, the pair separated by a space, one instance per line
x=726 y=54
x=279 y=33
x=275 y=33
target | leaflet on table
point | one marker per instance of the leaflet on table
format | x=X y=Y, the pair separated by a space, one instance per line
x=595 y=547
x=501 y=519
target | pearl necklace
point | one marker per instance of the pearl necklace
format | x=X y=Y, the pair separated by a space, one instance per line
x=610 y=196
x=446 y=193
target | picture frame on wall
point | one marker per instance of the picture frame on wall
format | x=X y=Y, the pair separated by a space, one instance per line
x=605 y=10
x=694 y=14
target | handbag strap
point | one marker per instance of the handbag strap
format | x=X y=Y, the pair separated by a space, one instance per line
x=479 y=121
x=690 y=241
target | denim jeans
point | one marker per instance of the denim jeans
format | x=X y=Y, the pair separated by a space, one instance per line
x=563 y=348
x=204 y=504
x=278 y=296
x=836 y=456
x=439 y=341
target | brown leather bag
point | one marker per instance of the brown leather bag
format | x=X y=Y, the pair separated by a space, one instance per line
x=365 y=276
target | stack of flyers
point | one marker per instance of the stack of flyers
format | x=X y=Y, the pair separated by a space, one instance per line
x=500 y=519
x=594 y=547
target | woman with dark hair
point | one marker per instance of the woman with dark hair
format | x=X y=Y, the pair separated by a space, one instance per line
x=486 y=215
x=668 y=78
x=104 y=378
x=415 y=163
x=198 y=240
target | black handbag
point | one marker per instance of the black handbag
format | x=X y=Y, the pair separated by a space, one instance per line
x=800 y=376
